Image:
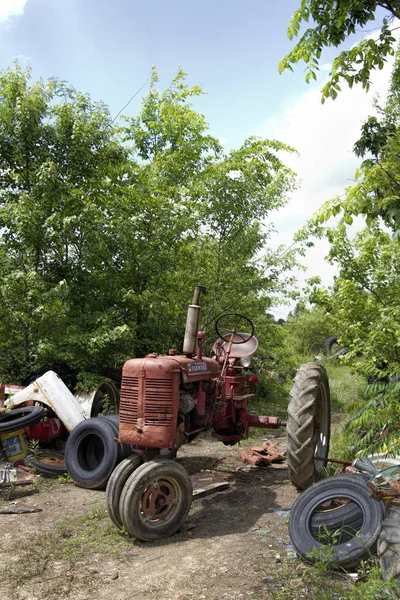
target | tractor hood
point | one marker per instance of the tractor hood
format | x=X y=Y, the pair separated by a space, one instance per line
x=192 y=369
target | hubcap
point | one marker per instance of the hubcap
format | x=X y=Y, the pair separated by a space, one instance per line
x=160 y=501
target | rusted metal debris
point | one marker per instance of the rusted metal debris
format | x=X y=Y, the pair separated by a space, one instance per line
x=335 y=460
x=19 y=511
x=380 y=493
x=263 y=455
x=10 y=477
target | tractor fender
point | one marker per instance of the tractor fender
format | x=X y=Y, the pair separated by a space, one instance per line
x=50 y=390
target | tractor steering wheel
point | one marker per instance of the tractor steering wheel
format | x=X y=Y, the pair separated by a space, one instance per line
x=224 y=329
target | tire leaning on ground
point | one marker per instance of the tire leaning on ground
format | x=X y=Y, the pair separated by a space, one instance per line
x=346 y=554
x=156 y=500
x=389 y=546
x=49 y=463
x=309 y=423
x=20 y=418
x=91 y=453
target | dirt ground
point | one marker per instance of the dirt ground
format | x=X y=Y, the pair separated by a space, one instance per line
x=232 y=546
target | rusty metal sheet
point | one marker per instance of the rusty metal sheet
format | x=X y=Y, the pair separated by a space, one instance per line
x=263 y=455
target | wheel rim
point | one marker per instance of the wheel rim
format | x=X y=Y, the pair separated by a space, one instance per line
x=53 y=461
x=160 y=502
x=321 y=429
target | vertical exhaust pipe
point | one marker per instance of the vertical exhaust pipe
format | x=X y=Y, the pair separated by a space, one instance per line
x=192 y=322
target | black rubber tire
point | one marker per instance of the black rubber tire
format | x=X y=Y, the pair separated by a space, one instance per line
x=340 y=352
x=389 y=546
x=344 y=521
x=91 y=453
x=124 y=450
x=43 y=464
x=309 y=422
x=116 y=483
x=327 y=347
x=20 y=418
x=151 y=473
x=351 y=552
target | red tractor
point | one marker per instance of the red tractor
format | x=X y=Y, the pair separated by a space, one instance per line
x=168 y=400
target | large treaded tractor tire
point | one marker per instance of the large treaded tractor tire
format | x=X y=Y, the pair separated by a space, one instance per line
x=309 y=422
x=328 y=345
x=389 y=546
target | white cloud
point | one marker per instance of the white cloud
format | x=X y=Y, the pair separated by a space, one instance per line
x=11 y=8
x=222 y=140
x=324 y=135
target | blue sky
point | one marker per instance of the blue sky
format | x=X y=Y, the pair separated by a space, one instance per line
x=107 y=48
x=231 y=48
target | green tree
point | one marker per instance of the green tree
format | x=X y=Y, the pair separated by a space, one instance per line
x=332 y=22
x=60 y=165
x=364 y=303
x=105 y=229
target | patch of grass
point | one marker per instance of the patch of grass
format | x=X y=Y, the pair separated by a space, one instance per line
x=322 y=582
x=72 y=541
x=345 y=385
x=346 y=389
x=342 y=444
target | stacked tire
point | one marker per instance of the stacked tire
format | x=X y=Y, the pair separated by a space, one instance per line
x=92 y=452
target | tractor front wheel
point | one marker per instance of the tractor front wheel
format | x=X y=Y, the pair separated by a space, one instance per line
x=156 y=500
x=308 y=428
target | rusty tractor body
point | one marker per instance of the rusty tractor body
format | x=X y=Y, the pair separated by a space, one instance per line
x=167 y=401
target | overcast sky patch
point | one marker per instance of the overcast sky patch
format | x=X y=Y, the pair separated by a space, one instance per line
x=11 y=8
x=324 y=135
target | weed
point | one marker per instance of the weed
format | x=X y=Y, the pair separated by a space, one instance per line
x=34 y=449
x=108 y=406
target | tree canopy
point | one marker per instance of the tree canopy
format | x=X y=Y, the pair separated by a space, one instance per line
x=105 y=228
x=331 y=23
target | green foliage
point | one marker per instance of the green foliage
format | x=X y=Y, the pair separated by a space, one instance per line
x=34 y=449
x=379 y=421
x=105 y=229
x=332 y=23
x=364 y=302
x=308 y=330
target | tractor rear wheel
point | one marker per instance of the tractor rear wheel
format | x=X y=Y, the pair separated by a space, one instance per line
x=308 y=428
x=156 y=500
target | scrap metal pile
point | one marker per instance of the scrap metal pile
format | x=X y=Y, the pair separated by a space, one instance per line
x=349 y=517
x=44 y=427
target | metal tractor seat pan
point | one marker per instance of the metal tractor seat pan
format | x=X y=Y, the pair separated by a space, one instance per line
x=239 y=349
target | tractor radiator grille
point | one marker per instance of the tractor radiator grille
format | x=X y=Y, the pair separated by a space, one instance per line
x=157 y=401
